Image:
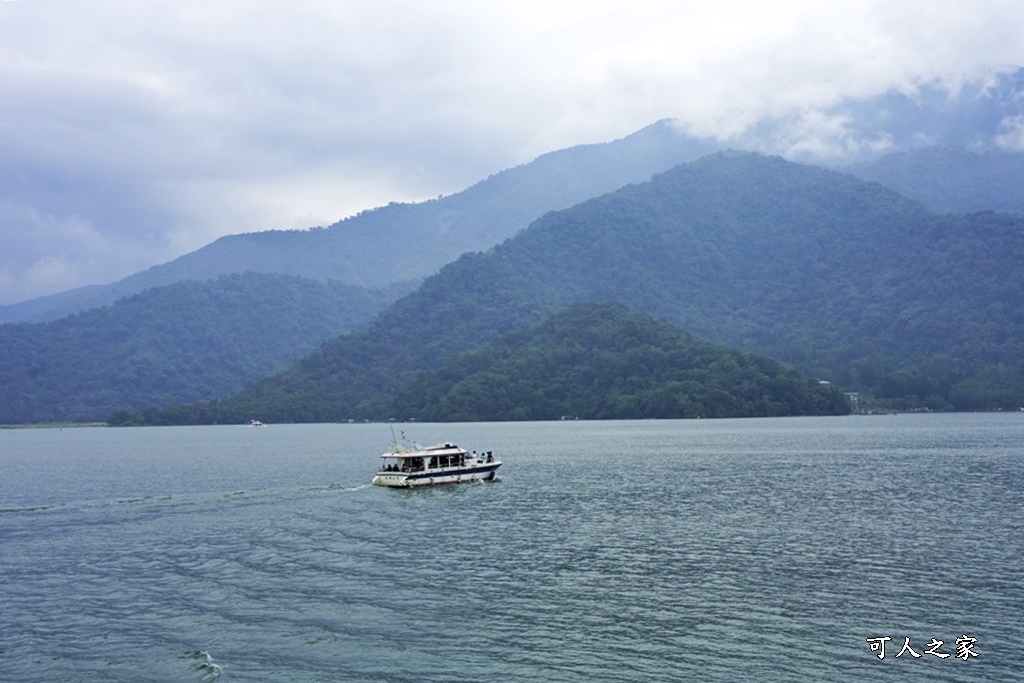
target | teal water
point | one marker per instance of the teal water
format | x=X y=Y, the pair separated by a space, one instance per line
x=726 y=550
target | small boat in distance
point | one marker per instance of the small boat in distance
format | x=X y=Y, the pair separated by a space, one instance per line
x=443 y=464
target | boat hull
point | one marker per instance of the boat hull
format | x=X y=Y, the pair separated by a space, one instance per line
x=435 y=477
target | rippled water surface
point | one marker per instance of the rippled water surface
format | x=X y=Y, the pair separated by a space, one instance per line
x=766 y=550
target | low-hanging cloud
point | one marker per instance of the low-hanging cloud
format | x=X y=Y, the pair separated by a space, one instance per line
x=131 y=133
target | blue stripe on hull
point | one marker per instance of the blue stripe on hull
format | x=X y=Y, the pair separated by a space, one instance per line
x=456 y=473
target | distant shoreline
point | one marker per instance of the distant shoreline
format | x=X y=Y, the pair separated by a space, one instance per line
x=54 y=425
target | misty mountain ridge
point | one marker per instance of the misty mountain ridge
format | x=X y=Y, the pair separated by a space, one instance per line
x=844 y=279
x=952 y=180
x=403 y=243
x=407 y=242
x=943 y=179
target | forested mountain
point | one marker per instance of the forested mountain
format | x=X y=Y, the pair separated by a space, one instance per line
x=402 y=242
x=593 y=361
x=602 y=361
x=845 y=279
x=184 y=342
x=952 y=180
x=406 y=242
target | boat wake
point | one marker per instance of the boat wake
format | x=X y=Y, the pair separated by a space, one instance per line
x=341 y=487
x=185 y=501
x=208 y=669
x=36 y=508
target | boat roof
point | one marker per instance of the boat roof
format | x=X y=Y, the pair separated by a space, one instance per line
x=443 y=449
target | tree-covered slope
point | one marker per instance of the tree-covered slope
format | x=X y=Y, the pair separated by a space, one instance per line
x=184 y=342
x=602 y=361
x=402 y=242
x=845 y=279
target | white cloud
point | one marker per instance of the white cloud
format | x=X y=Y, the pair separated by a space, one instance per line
x=167 y=124
x=1011 y=134
x=45 y=253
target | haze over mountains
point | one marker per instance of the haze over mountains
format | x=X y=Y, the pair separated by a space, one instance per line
x=403 y=243
x=841 y=278
x=406 y=242
x=845 y=279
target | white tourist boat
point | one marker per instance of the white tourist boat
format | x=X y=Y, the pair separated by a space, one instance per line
x=443 y=464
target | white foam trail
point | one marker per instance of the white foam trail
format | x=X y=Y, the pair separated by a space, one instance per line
x=211 y=669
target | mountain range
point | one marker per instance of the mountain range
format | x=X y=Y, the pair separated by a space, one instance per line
x=257 y=301
x=914 y=141
x=403 y=243
x=847 y=280
x=186 y=341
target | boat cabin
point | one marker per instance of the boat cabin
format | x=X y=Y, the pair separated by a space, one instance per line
x=442 y=464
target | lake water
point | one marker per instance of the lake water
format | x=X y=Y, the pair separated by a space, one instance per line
x=713 y=550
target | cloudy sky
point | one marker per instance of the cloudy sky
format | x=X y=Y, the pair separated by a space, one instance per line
x=133 y=132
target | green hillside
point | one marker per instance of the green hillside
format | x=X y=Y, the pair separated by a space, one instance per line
x=185 y=342
x=602 y=361
x=844 y=279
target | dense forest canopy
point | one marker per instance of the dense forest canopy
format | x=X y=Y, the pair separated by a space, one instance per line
x=184 y=342
x=602 y=361
x=844 y=279
x=591 y=361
